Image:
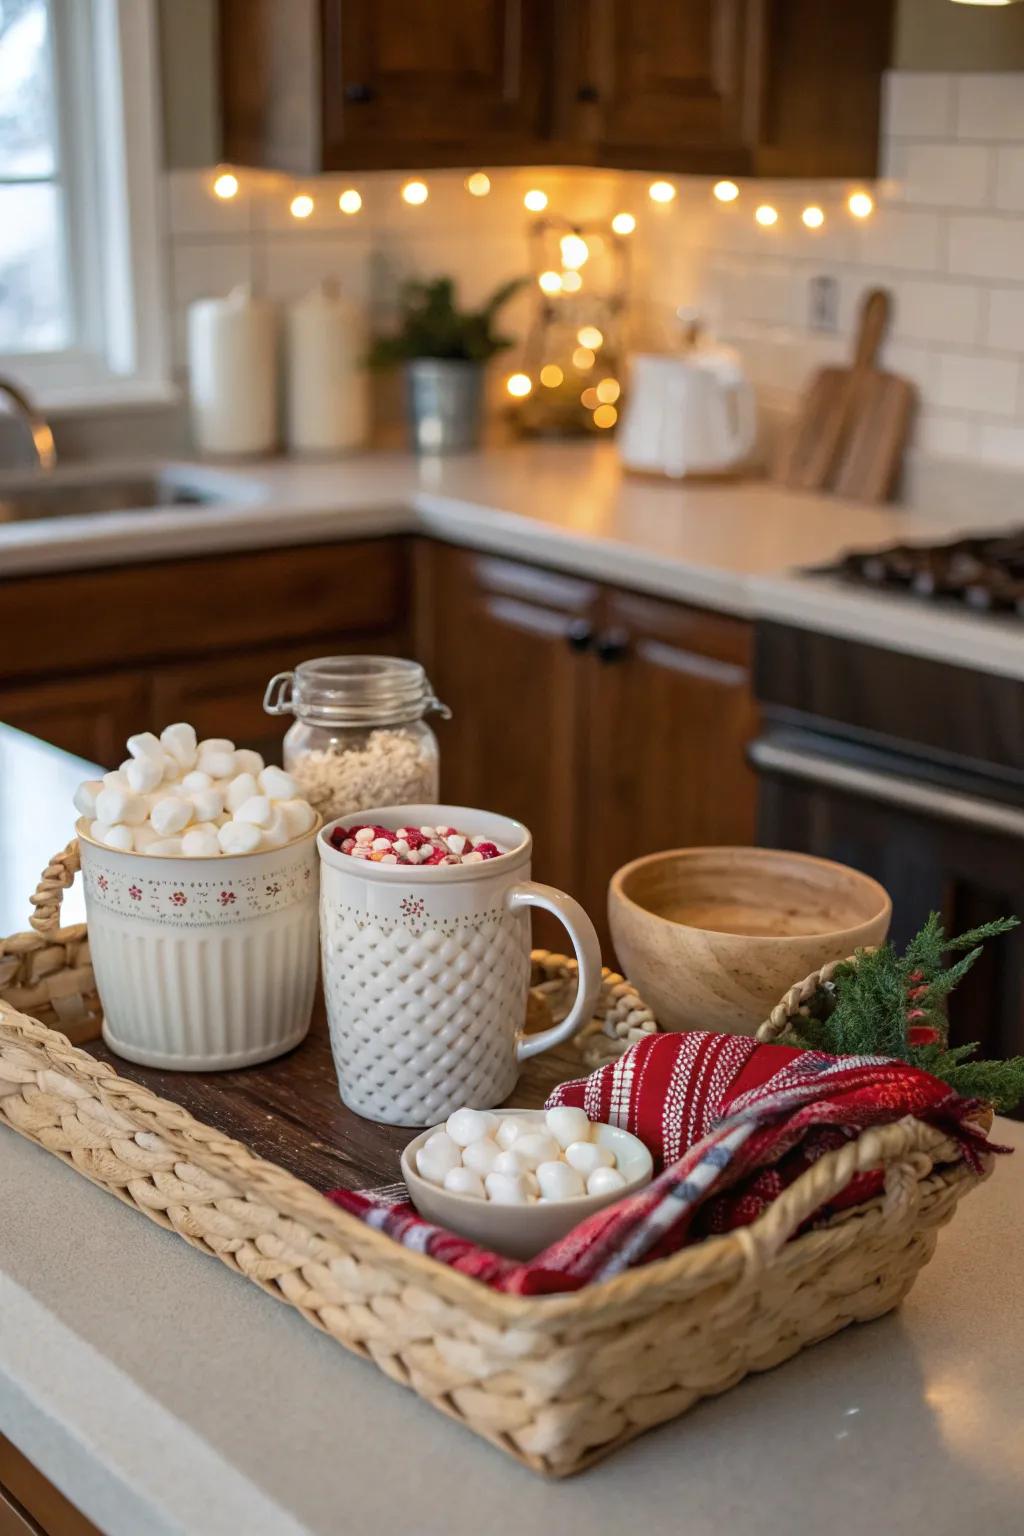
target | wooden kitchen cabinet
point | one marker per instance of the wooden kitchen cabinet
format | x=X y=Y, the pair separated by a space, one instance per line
x=198 y=639
x=501 y=644
x=410 y=83
x=30 y=1505
x=651 y=76
x=670 y=714
x=744 y=87
x=613 y=724
x=89 y=716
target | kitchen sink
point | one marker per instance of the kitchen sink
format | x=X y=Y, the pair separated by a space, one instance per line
x=65 y=494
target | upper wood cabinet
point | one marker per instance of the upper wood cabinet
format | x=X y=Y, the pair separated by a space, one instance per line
x=747 y=87
x=453 y=79
x=657 y=76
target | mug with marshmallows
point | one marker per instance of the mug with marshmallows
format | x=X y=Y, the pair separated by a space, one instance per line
x=425 y=948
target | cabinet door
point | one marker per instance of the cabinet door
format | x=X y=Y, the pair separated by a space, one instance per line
x=89 y=716
x=670 y=716
x=670 y=76
x=421 y=82
x=502 y=649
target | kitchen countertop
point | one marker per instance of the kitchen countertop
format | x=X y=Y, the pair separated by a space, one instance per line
x=738 y=546
x=163 y=1394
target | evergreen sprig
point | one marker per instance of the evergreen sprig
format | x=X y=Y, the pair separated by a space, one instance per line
x=885 y=1004
x=431 y=324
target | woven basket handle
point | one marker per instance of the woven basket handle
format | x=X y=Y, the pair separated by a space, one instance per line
x=789 y=1006
x=899 y=1149
x=53 y=882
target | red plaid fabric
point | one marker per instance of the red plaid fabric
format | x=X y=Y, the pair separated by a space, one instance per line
x=731 y=1125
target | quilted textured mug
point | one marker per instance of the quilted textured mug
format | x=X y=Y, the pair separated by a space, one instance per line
x=426 y=970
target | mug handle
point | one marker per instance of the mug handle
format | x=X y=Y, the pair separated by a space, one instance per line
x=530 y=893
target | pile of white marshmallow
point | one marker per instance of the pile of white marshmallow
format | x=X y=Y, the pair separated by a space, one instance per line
x=515 y=1162
x=174 y=795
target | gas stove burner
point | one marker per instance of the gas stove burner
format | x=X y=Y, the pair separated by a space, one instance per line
x=984 y=573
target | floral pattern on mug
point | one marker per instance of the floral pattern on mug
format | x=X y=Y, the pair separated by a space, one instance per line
x=198 y=903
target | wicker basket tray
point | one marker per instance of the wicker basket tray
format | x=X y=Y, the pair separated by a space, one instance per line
x=557 y=1382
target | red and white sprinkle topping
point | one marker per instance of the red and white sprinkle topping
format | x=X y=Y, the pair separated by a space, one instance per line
x=414 y=845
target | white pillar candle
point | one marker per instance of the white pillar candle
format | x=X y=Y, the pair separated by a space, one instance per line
x=232 y=354
x=326 y=385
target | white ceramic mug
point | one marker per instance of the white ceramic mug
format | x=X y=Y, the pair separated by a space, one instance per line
x=426 y=970
x=202 y=964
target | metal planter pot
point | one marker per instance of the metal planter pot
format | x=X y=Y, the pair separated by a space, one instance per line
x=445 y=403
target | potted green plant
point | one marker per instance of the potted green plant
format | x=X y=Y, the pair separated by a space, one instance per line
x=444 y=350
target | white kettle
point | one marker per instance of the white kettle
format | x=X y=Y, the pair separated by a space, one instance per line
x=688 y=414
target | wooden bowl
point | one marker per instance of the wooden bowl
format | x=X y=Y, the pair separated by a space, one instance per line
x=712 y=937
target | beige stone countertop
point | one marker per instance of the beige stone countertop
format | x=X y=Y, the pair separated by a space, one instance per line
x=738 y=546
x=164 y=1394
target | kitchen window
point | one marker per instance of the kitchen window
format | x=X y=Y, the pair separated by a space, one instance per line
x=81 y=265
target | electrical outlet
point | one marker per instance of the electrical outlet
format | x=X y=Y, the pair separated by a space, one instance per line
x=823 y=303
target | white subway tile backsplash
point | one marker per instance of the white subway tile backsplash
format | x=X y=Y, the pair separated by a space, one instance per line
x=897 y=237
x=988 y=386
x=990 y=106
x=946 y=237
x=917 y=105
x=193 y=208
x=944 y=175
x=989 y=247
x=291 y=267
x=1004 y=329
x=943 y=435
x=918 y=364
x=1001 y=444
x=1009 y=193
x=937 y=311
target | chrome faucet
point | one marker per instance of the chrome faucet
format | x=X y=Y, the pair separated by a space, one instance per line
x=35 y=423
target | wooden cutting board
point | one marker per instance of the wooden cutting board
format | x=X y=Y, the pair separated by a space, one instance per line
x=853 y=423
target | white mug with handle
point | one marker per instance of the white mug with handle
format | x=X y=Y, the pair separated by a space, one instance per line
x=427 y=968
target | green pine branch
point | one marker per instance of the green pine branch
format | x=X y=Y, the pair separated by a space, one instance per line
x=883 y=1003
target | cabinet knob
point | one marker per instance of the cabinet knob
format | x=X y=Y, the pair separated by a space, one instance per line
x=579 y=635
x=357 y=93
x=612 y=646
x=587 y=93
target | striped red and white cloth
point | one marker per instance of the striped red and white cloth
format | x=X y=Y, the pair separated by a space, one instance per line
x=730 y=1123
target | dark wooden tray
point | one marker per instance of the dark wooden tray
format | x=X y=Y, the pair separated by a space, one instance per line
x=290 y=1112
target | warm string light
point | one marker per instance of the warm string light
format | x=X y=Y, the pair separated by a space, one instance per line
x=226 y=185
x=589 y=336
x=550 y=282
x=590 y=398
x=575 y=251
x=605 y=416
x=519 y=385
x=551 y=376
x=571 y=282
x=583 y=358
x=608 y=391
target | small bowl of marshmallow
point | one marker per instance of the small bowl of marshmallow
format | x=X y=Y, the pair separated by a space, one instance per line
x=516 y=1180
